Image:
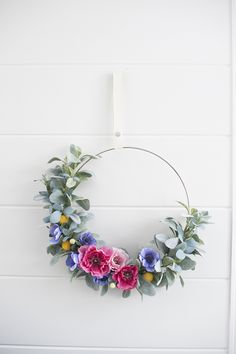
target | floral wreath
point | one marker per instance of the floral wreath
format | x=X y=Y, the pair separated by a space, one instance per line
x=103 y=267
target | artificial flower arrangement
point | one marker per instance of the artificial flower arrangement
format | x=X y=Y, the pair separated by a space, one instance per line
x=103 y=267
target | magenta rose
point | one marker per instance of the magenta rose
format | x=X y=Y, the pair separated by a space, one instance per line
x=126 y=277
x=95 y=260
x=118 y=259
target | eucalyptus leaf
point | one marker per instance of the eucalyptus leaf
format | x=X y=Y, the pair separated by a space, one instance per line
x=160 y=246
x=170 y=276
x=181 y=246
x=176 y=268
x=84 y=203
x=75 y=218
x=75 y=150
x=57 y=207
x=46 y=219
x=84 y=174
x=68 y=211
x=55 y=259
x=181 y=281
x=166 y=261
x=180 y=232
x=72 y=158
x=53 y=249
x=190 y=246
x=187 y=263
x=54 y=159
x=104 y=290
x=146 y=288
x=162 y=237
x=55 y=217
x=158 y=266
x=163 y=281
x=57 y=197
x=90 y=282
x=172 y=242
x=180 y=254
x=70 y=183
x=126 y=293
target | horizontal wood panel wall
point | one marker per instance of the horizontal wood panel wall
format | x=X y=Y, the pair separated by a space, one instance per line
x=56 y=64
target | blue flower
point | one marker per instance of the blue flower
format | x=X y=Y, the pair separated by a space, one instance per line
x=86 y=238
x=148 y=257
x=55 y=233
x=72 y=260
x=101 y=281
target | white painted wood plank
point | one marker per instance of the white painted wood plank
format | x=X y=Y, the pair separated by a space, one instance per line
x=171 y=100
x=192 y=31
x=55 y=312
x=124 y=177
x=232 y=299
x=77 y=100
x=130 y=228
x=63 y=350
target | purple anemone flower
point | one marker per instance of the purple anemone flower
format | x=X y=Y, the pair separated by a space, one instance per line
x=86 y=238
x=72 y=261
x=101 y=281
x=148 y=257
x=55 y=233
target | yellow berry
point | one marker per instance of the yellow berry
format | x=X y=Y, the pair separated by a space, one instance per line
x=148 y=277
x=64 y=219
x=65 y=245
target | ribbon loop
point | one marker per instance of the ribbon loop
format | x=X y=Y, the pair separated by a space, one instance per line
x=117 y=109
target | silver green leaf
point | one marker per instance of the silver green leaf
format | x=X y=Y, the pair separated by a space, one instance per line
x=55 y=217
x=172 y=242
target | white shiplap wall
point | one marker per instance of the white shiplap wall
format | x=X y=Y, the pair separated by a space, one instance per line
x=56 y=64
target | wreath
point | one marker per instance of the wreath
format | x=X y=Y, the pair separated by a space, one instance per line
x=157 y=264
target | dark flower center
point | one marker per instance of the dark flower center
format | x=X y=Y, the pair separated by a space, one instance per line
x=149 y=258
x=95 y=260
x=117 y=260
x=127 y=274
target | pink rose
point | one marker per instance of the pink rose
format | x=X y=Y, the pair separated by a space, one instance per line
x=95 y=260
x=126 y=277
x=118 y=259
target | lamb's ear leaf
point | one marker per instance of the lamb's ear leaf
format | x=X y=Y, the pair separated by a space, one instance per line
x=183 y=205
x=90 y=282
x=181 y=281
x=54 y=159
x=104 y=290
x=55 y=217
x=84 y=203
x=75 y=150
x=187 y=263
x=126 y=293
x=53 y=249
x=147 y=288
x=172 y=242
x=170 y=276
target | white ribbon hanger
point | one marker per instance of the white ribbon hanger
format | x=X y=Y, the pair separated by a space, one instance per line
x=117 y=85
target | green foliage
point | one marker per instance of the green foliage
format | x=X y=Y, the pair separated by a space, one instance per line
x=146 y=288
x=90 y=282
x=53 y=249
x=84 y=203
x=104 y=290
x=187 y=263
x=126 y=293
x=175 y=248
